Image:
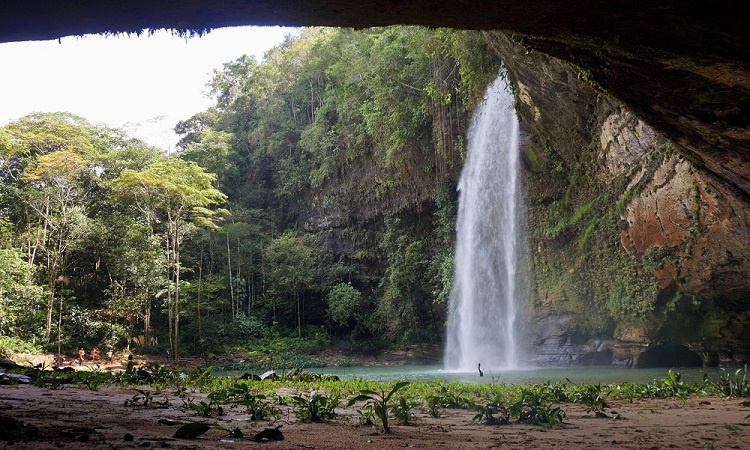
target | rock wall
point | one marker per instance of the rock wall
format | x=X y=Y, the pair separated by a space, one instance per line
x=632 y=247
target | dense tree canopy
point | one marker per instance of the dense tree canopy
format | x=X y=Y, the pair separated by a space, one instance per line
x=316 y=198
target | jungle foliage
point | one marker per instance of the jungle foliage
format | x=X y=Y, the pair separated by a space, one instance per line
x=314 y=203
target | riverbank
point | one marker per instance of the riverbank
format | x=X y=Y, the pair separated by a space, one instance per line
x=75 y=417
x=413 y=355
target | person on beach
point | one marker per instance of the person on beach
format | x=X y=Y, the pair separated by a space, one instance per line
x=81 y=355
x=110 y=356
x=59 y=361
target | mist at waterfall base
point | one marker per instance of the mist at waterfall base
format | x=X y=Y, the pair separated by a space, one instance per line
x=486 y=291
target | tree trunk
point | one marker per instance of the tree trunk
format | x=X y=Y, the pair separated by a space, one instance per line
x=50 y=304
x=59 y=328
x=299 y=315
x=231 y=284
x=170 y=310
x=200 y=288
x=238 y=273
x=177 y=289
x=51 y=277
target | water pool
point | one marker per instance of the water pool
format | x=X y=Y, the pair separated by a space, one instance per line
x=588 y=375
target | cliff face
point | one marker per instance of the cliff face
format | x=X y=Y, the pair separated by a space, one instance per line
x=637 y=254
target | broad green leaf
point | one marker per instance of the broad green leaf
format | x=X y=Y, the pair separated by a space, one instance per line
x=395 y=389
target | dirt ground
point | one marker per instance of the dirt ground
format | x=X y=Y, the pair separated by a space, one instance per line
x=75 y=417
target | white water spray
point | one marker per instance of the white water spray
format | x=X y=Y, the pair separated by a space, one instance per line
x=486 y=291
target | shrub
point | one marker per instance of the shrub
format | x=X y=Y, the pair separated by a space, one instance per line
x=377 y=402
x=10 y=345
x=317 y=407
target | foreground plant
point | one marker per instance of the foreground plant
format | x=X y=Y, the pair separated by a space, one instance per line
x=734 y=384
x=534 y=408
x=255 y=402
x=378 y=402
x=592 y=398
x=674 y=386
x=402 y=410
x=317 y=407
x=146 y=399
x=213 y=406
x=434 y=403
x=493 y=413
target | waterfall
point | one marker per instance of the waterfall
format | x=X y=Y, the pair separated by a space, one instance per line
x=486 y=291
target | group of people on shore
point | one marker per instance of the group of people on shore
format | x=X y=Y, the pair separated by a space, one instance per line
x=94 y=356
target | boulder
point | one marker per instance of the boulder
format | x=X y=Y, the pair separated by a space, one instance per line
x=7 y=363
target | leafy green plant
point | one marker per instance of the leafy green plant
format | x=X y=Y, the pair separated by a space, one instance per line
x=11 y=345
x=673 y=386
x=316 y=407
x=402 y=410
x=161 y=375
x=493 y=413
x=255 y=402
x=184 y=395
x=734 y=384
x=51 y=380
x=557 y=392
x=366 y=415
x=201 y=378
x=627 y=391
x=144 y=398
x=213 y=405
x=93 y=379
x=534 y=408
x=203 y=408
x=434 y=403
x=592 y=398
x=281 y=400
x=379 y=402
x=449 y=399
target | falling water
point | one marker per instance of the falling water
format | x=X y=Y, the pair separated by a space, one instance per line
x=482 y=318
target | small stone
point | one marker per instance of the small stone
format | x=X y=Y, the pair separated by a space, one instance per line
x=128 y=437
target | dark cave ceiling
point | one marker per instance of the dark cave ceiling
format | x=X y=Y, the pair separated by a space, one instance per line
x=682 y=65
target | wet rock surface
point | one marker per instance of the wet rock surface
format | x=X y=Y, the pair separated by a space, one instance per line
x=679 y=226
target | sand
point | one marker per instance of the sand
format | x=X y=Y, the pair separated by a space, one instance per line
x=76 y=417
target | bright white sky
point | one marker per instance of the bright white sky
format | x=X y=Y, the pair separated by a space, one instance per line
x=144 y=84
